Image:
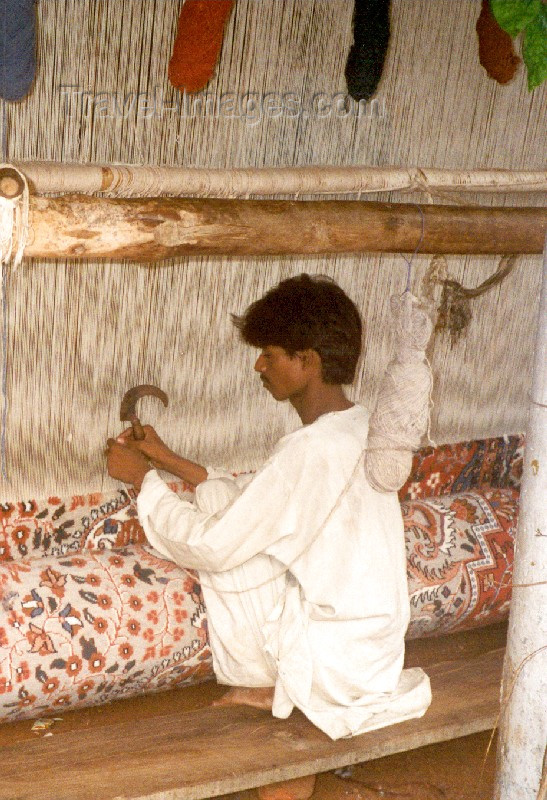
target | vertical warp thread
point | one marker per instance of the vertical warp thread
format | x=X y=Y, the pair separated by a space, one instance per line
x=4 y=374
x=4 y=319
x=61 y=370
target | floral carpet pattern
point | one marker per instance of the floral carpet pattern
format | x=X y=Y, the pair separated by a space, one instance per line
x=459 y=559
x=453 y=468
x=90 y=613
x=87 y=629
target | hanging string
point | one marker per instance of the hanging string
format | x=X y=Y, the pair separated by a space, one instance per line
x=409 y=261
x=454 y=309
x=505 y=703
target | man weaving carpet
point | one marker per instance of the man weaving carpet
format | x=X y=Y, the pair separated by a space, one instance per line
x=303 y=563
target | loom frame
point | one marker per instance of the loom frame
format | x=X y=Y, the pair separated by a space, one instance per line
x=488 y=664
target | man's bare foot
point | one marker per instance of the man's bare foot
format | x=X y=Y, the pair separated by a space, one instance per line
x=296 y=789
x=242 y=696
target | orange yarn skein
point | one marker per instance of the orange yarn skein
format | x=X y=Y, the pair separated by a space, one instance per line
x=198 y=43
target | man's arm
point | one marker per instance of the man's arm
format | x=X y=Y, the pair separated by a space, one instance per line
x=279 y=512
x=213 y=540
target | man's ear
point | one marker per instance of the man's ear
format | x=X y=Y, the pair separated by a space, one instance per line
x=311 y=360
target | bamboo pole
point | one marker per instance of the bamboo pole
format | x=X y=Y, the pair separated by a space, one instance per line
x=77 y=226
x=522 y=748
x=147 y=181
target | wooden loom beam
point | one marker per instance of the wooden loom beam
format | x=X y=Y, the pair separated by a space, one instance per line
x=83 y=227
x=132 y=180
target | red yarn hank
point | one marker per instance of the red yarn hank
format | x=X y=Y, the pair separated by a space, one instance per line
x=198 y=43
x=496 y=52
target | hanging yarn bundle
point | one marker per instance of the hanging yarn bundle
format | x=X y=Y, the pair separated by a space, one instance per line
x=371 y=31
x=496 y=52
x=401 y=414
x=198 y=43
x=17 y=48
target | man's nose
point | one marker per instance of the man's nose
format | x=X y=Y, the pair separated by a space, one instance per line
x=260 y=363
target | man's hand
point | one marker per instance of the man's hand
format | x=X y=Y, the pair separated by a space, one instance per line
x=126 y=464
x=152 y=447
x=156 y=452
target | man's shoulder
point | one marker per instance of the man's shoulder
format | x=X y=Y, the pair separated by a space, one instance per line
x=335 y=430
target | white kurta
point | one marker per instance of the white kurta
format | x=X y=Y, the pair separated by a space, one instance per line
x=303 y=570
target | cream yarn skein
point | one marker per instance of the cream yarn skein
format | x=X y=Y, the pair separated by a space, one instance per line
x=401 y=415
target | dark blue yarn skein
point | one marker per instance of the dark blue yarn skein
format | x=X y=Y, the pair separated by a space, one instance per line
x=17 y=48
x=371 y=29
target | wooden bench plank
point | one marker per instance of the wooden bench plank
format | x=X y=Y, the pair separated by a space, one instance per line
x=166 y=753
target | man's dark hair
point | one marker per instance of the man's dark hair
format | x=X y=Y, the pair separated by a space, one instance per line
x=307 y=312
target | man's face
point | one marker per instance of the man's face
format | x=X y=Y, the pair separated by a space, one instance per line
x=284 y=376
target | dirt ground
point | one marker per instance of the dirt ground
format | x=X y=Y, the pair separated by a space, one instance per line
x=454 y=770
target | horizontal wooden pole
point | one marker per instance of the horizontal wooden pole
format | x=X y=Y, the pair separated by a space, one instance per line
x=78 y=226
x=132 y=180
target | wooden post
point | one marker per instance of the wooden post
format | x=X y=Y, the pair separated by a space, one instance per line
x=78 y=226
x=522 y=745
